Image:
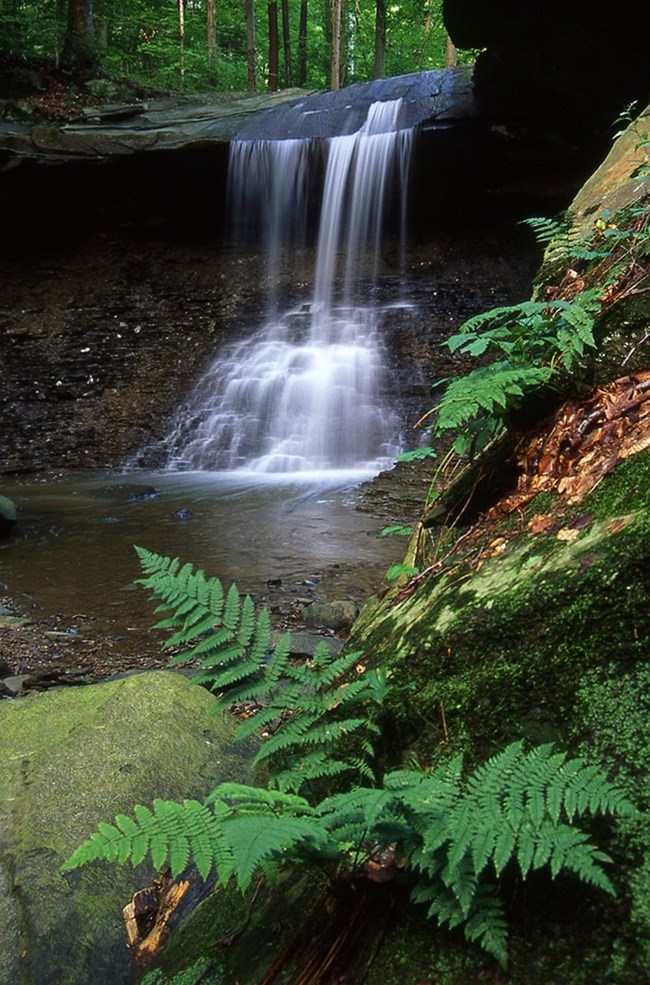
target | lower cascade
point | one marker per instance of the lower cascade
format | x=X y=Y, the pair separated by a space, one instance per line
x=303 y=393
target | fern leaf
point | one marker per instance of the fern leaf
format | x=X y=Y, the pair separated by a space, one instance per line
x=302 y=731
x=462 y=880
x=247 y=798
x=232 y=608
x=254 y=840
x=366 y=805
x=487 y=925
x=504 y=846
x=547 y=229
x=525 y=851
x=276 y=666
x=571 y=850
x=442 y=904
x=170 y=830
x=316 y=765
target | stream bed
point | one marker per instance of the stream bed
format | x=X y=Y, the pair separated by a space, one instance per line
x=69 y=565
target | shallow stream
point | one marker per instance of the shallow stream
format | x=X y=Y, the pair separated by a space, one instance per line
x=287 y=540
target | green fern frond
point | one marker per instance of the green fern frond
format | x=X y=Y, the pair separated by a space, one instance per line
x=548 y=228
x=489 y=389
x=308 y=767
x=303 y=731
x=253 y=840
x=488 y=321
x=487 y=925
x=170 y=831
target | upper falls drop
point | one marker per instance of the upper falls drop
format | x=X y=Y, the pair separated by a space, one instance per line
x=304 y=392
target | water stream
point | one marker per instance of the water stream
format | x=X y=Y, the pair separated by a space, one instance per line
x=267 y=454
x=304 y=392
x=267 y=450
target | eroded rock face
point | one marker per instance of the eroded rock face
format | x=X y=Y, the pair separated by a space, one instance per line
x=566 y=67
x=69 y=759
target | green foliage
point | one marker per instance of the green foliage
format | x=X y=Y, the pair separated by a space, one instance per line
x=306 y=708
x=397 y=530
x=454 y=836
x=535 y=340
x=203 y=970
x=401 y=571
x=535 y=345
x=416 y=454
x=141 y=40
x=614 y=708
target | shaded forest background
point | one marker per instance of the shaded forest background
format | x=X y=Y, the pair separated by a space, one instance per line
x=230 y=45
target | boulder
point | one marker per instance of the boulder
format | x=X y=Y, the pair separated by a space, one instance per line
x=553 y=65
x=336 y=615
x=71 y=758
x=7 y=515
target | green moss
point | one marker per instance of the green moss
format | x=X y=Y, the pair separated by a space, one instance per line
x=71 y=758
x=242 y=935
x=486 y=655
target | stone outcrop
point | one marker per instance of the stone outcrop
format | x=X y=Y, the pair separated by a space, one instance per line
x=567 y=68
x=69 y=759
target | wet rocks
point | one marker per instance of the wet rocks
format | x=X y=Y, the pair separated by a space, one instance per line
x=7 y=515
x=337 y=615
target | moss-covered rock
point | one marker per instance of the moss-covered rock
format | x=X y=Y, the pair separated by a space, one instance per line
x=69 y=759
x=494 y=646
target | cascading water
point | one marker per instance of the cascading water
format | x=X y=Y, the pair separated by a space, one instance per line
x=304 y=392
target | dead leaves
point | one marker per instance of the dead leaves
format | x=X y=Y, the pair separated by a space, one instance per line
x=586 y=441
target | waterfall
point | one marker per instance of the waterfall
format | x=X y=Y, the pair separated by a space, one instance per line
x=304 y=393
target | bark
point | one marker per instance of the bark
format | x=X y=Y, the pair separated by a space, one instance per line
x=337 y=31
x=302 y=45
x=211 y=14
x=251 y=48
x=273 y=45
x=181 y=38
x=380 y=39
x=286 y=41
x=79 y=46
x=452 y=54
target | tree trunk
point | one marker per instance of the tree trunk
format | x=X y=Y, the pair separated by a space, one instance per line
x=302 y=45
x=286 y=41
x=251 y=49
x=380 y=39
x=211 y=14
x=337 y=30
x=452 y=54
x=181 y=39
x=273 y=45
x=79 y=46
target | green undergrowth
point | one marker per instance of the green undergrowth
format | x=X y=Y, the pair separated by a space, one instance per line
x=545 y=639
x=487 y=654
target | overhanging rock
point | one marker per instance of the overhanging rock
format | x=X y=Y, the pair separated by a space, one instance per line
x=438 y=98
x=193 y=121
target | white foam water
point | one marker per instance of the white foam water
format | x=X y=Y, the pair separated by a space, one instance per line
x=304 y=393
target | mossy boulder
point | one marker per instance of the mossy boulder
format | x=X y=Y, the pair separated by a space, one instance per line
x=71 y=758
x=7 y=515
x=494 y=644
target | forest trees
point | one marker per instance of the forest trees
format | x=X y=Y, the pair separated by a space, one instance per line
x=232 y=45
x=79 y=49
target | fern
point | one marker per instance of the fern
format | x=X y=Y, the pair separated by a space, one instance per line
x=309 y=709
x=535 y=338
x=454 y=836
x=548 y=229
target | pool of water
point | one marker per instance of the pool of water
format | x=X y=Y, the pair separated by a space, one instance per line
x=284 y=538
